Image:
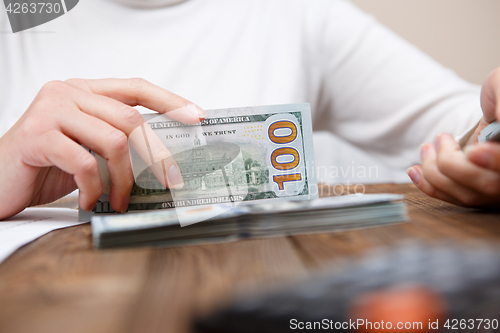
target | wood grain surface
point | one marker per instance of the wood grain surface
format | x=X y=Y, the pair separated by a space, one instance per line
x=59 y=283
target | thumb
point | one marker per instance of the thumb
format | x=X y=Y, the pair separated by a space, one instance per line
x=486 y=155
x=490 y=94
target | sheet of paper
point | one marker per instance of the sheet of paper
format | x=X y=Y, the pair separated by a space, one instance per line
x=31 y=224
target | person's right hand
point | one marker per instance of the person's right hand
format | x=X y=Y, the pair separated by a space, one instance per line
x=41 y=157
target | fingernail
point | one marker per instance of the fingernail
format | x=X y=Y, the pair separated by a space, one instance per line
x=125 y=204
x=479 y=157
x=174 y=178
x=414 y=175
x=423 y=152
x=196 y=111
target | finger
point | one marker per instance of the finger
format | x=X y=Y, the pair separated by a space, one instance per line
x=486 y=155
x=158 y=158
x=111 y=144
x=441 y=182
x=129 y=121
x=141 y=92
x=67 y=155
x=115 y=113
x=416 y=175
x=453 y=164
x=111 y=111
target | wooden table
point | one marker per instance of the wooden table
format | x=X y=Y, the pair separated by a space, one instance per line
x=59 y=283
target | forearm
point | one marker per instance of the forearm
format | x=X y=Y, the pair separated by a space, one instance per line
x=385 y=95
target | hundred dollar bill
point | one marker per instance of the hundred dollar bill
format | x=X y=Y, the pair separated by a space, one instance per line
x=490 y=133
x=252 y=219
x=233 y=155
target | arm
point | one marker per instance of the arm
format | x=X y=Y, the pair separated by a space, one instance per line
x=384 y=95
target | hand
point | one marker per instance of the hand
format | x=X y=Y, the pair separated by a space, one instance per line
x=41 y=156
x=471 y=177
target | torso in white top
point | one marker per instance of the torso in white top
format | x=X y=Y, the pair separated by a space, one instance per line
x=374 y=97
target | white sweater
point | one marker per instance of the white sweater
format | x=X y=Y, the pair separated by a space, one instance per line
x=374 y=97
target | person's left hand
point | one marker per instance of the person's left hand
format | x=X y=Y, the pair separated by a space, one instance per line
x=470 y=177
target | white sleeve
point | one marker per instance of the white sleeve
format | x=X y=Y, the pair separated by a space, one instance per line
x=382 y=94
x=4 y=86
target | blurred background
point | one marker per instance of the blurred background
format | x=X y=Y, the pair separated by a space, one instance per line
x=463 y=35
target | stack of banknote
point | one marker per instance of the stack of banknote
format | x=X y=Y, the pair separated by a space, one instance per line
x=258 y=219
x=246 y=172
